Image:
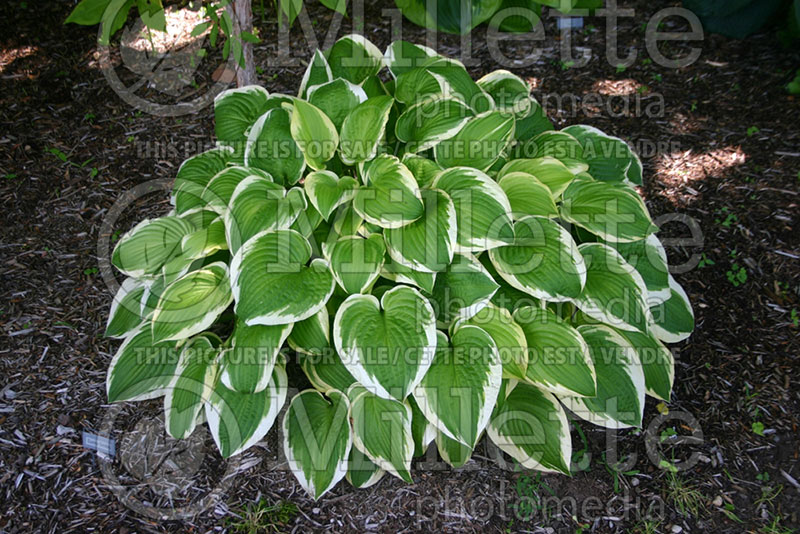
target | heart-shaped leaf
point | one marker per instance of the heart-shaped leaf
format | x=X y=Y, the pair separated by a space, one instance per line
x=141 y=369
x=314 y=133
x=391 y=197
x=527 y=195
x=363 y=129
x=507 y=335
x=356 y=262
x=549 y=171
x=673 y=319
x=217 y=194
x=193 y=177
x=247 y=365
x=478 y=143
x=336 y=99
x=318 y=72
x=461 y=290
x=149 y=245
x=272 y=148
x=235 y=110
x=194 y=380
x=354 y=58
x=426 y=124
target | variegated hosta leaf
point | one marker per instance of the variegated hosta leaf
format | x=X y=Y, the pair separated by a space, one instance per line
x=235 y=110
x=612 y=211
x=558 y=358
x=217 y=194
x=388 y=345
x=527 y=128
x=462 y=290
x=126 y=309
x=608 y=157
x=361 y=471
x=619 y=402
x=422 y=430
x=532 y=427
x=238 y=421
x=205 y=242
x=391 y=197
x=194 y=174
x=314 y=133
x=192 y=303
x=426 y=124
x=402 y=56
x=247 y=365
x=312 y=335
x=326 y=371
x=508 y=336
x=527 y=195
x=549 y=171
x=272 y=148
x=141 y=369
x=356 y=262
x=336 y=99
x=354 y=58
x=149 y=245
x=483 y=212
x=258 y=205
x=382 y=431
x=318 y=72
x=614 y=293
x=440 y=75
x=195 y=376
x=427 y=244
x=424 y=170
x=326 y=191
x=453 y=452
x=673 y=319
x=478 y=143
x=363 y=129
x=658 y=364
x=271 y=282
x=459 y=391
x=563 y=147
x=544 y=261
x=316 y=439
x=509 y=92
x=401 y=274
x=649 y=259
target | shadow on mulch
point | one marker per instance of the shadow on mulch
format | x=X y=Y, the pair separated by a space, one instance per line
x=727 y=154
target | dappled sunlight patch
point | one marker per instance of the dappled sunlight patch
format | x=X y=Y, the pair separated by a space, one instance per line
x=677 y=170
x=9 y=55
x=627 y=86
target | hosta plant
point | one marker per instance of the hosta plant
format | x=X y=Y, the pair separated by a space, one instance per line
x=428 y=258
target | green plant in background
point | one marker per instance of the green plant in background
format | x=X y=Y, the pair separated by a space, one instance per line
x=439 y=261
x=741 y=18
x=461 y=16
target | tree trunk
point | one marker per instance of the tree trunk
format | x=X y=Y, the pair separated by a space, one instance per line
x=242 y=13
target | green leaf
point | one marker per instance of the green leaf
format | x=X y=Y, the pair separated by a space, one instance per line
x=478 y=143
x=561 y=146
x=427 y=244
x=235 y=110
x=608 y=157
x=340 y=6
x=382 y=431
x=149 y=245
x=217 y=194
x=459 y=391
x=614 y=292
x=483 y=212
x=238 y=421
x=619 y=402
x=312 y=335
x=326 y=371
x=422 y=430
x=509 y=92
x=317 y=440
x=354 y=58
x=336 y=99
x=448 y=15
x=271 y=147
x=314 y=133
x=657 y=363
x=543 y=261
x=356 y=262
x=507 y=335
x=612 y=211
x=387 y=346
x=423 y=169
x=673 y=319
x=362 y=472
x=257 y=205
x=391 y=197
x=453 y=452
x=193 y=177
x=194 y=380
x=141 y=369
x=205 y=242
x=88 y=12
x=527 y=195
x=364 y=128
x=461 y=290
x=192 y=303
x=532 y=427
x=402 y=56
x=271 y=282
x=326 y=191
x=318 y=72
x=247 y=366
x=649 y=259
x=427 y=123
x=441 y=76
x=399 y=273
x=558 y=358
x=126 y=309
x=549 y=171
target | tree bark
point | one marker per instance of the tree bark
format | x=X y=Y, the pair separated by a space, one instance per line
x=242 y=13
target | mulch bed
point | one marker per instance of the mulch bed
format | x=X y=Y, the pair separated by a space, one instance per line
x=728 y=156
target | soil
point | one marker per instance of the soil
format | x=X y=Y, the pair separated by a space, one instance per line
x=724 y=153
